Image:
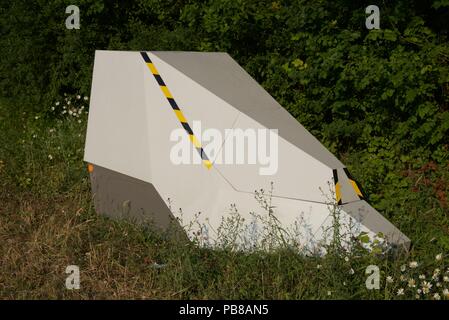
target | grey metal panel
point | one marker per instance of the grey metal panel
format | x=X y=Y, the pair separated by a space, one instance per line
x=218 y=81
x=122 y=197
x=220 y=74
x=363 y=213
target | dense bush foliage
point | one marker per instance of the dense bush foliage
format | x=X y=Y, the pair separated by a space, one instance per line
x=350 y=86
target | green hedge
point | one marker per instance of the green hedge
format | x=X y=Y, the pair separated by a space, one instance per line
x=353 y=88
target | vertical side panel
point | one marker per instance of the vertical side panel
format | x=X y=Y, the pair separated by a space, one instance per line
x=117 y=131
x=121 y=197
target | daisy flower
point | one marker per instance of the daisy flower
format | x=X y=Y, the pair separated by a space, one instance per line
x=426 y=286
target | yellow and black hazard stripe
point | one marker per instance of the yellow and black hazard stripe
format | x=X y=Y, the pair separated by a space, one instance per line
x=358 y=190
x=196 y=143
x=337 y=187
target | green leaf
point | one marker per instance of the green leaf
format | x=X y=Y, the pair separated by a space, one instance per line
x=390 y=35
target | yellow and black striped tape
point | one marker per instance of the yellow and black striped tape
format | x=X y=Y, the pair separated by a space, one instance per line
x=337 y=187
x=196 y=143
x=355 y=185
x=358 y=190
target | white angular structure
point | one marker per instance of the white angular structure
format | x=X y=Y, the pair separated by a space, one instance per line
x=139 y=99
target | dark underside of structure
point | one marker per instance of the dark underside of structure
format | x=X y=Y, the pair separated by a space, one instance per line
x=119 y=196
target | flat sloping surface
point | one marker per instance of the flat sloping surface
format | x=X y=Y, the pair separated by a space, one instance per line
x=221 y=75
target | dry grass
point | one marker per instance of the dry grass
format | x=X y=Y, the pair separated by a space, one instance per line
x=39 y=239
x=47 y=223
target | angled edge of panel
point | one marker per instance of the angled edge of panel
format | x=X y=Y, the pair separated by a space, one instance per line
x=365 y=214
x=119 y=196
x=219 y=73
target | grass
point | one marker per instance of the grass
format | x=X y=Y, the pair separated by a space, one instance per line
x=47 y=222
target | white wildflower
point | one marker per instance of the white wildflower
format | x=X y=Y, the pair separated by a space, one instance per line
x=446 y=279
x=446 y=293
x=426 y=286
x=436 y=273
x=403 y=268
x=50 y=157
x=438 y=257
x=318 y=266
x=411 y=283
x=346 y=259
x=329 y=293
x=436 y=296
x=78 y=97
x=351 y=271
x=57 y=103
x=400 y=292
x=413 y=264
x=389 y=279
x=422 y=277
x=52 y=108
x=86 y=98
